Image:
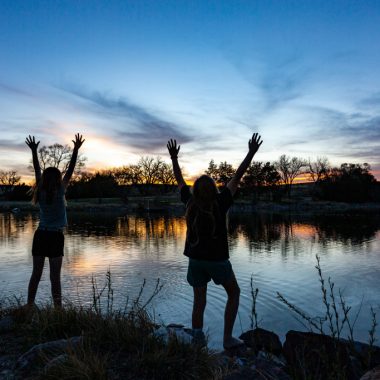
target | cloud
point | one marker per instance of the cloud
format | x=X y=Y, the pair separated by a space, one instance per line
x=371 y=101
x=13 y=145
x=133 y=125
x=277 y=81
x=9 y=89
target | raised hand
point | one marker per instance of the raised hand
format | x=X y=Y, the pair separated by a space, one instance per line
x=31 y=142
x=255 y=143
x=172 y=148
x=79 y=140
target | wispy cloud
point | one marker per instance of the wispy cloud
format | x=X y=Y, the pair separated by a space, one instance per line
x=276 y=81
x=13 y=90
x=371 y=101
x=132 y=124
x=12 y=145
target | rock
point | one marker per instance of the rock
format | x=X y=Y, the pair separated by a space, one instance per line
x=175 y=326
x=56 y=347
x=373 y=374
x=369 y=356
x=313 y=355
x=235 y=351
x=6 y=324
x=270 y=369
x=7 y=375
x=245 y=373
x=278 y=360
x=259 y=370
x=56 y=361
x=260 y=339
x=165 y=333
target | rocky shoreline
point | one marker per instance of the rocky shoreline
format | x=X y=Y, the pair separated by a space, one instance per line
x=304 y=355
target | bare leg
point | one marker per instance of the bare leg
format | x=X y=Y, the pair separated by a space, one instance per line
x=38 y=267
x=233 y=293
x=55 y=279
x=199 y=306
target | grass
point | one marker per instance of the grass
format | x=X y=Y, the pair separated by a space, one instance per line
x=116 y=344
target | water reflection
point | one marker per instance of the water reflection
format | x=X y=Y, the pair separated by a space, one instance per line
x=269 y=231
x=278 y=249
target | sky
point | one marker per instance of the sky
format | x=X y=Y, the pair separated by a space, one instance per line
x=129 y=75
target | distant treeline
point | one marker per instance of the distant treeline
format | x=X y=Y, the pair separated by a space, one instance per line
x=152 y=175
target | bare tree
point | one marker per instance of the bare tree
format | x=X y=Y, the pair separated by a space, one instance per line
x=289 y=168
x=318 y=169
x=166 y=174
x=59 y=156
x=9 y=179
x=150 y=169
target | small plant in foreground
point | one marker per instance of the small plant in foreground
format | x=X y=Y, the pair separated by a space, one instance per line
x=336 y=317
x=115 y=343
x=253 y=316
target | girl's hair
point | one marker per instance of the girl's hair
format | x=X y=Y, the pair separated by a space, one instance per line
x=202 y=212
x=50 y=182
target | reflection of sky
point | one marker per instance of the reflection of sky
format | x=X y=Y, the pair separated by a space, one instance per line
x=279 y=252
x=129 y=75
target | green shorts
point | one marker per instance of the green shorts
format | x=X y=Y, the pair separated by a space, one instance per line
x=200 y=272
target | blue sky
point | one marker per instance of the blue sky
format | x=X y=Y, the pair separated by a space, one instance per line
x=131 y=74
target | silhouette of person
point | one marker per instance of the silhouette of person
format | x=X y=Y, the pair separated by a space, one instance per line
x=48 y=241
x=206 y=240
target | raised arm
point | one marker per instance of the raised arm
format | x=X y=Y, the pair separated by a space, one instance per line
x=253 y=146
x=33 y=145
x=173 y=151
x=70 y=170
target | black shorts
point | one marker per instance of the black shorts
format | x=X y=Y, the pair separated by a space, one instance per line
x=48 y=243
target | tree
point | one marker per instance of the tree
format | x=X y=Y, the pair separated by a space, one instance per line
x=349 y=183
x=261 y=177
x=225 y=173
x=319 y=169
x=220 y=174
x=212 y=170
x=9 y=179
x=166 y=175
x=150 y=170
x=253 y=176
x=59 y=156
x=270 y=175
x=289 y=168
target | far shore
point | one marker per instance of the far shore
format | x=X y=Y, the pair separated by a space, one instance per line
x=171 y=204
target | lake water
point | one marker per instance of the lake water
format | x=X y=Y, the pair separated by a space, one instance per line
x=278 y=250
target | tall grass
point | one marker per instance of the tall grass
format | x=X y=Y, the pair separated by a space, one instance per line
x=116 y=343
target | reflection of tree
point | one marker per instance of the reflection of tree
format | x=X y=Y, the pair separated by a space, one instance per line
x=262 y=231
x=142 y=231
x=350 y=231
x=265 y=232
x=153 y=233
x=13 y=226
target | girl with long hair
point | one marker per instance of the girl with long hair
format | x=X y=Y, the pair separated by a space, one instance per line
x=206 y=240
x=48 y=241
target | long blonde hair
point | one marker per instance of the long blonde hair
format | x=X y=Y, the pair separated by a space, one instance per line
x=50 y=183
x=202 y=212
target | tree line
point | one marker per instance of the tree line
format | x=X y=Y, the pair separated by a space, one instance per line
x=349 y=182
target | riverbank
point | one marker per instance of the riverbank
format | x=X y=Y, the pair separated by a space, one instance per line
x=171 y=203
x=74 y=342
